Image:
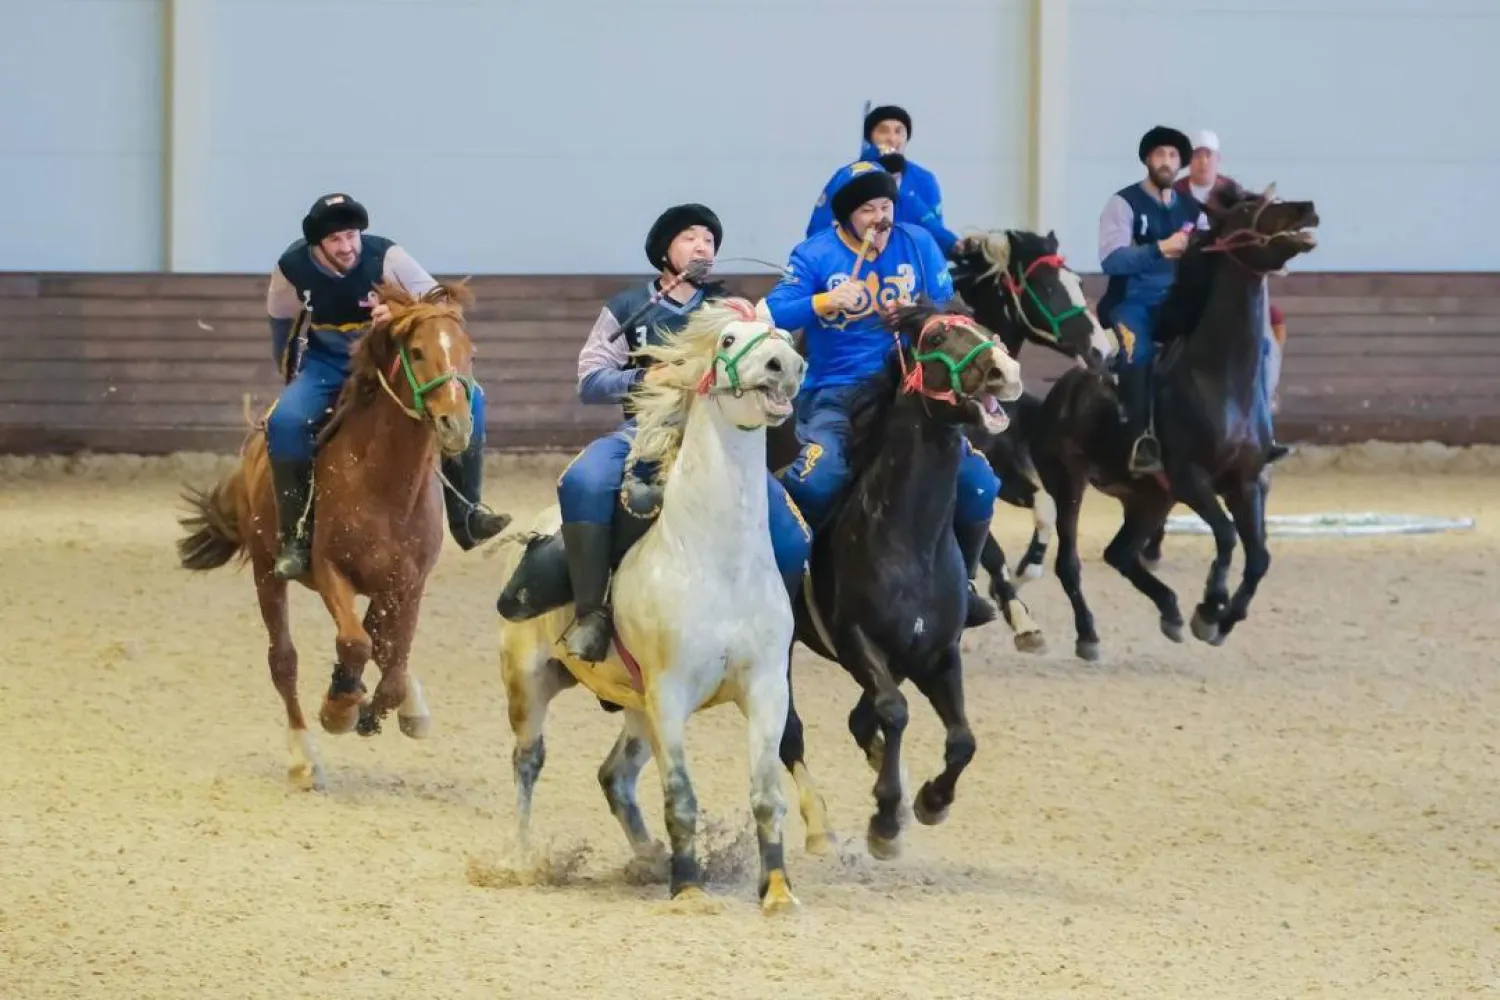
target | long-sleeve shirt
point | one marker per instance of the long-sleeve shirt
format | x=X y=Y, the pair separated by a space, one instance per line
x=920 y=201
x=606 y=372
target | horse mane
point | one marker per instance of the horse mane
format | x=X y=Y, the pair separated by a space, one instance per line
x=375 y=350
x=1188 y=297
x=661 y=407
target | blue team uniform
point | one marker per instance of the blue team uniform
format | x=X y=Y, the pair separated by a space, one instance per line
x=920 y=202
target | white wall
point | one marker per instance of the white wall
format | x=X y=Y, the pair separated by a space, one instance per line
x=1380 y=111
x=522 y=137
x=81 y=135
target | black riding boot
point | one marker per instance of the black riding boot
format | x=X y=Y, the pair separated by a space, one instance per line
x=793 y=583
x=292 y=484
x=1145 y=451
x=469 y=522
x=971 y=543
x=587 y=546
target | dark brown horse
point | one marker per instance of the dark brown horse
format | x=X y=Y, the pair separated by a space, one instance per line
x=378 y=516
x=888 y=586
x=1211 y=413
x=1018 y=285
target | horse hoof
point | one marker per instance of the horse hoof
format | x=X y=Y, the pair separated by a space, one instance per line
x=1031 y=642
x=1088 y=650
x=882 y=848
x=1171 y=629
x=305 y=777
x=925 y=815
x=1206 y=631
x=417 y=727
x=338 y=719
x=778 y=896
x=820 y=844
x=368 y=724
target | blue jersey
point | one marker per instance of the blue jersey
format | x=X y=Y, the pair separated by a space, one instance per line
x=920 y=201
x=844 y=348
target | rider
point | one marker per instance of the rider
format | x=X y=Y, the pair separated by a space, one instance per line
x=847 y=344
x=589 y=488
x=332 y=272
x=887 y=131
x=1142 y=232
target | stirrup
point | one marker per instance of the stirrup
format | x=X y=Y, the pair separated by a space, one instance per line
x=293 y=560
x=1141 y=443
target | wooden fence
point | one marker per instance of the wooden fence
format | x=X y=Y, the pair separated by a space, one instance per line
x=151 y=364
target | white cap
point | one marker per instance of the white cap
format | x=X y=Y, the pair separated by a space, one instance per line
x=1206 y=140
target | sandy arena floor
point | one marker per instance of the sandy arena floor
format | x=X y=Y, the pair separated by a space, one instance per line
x=1311 y=811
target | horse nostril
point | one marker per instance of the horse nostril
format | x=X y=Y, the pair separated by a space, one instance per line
x=774 y=365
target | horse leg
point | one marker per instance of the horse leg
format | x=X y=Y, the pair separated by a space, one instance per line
x=1248 y=507
x=618 y=775
x=532 y=679
x=1028 y=634
x=1067 y=489
x=346 y=692
x=1195 y=489
x=1151 y=555
x=766 y=703
x=668 y=721
x=394 y=617
x=944 y=687
x=303 y=768
x=809 y=798
x=1044 y=519
x=1144 y=512
x=884 y=834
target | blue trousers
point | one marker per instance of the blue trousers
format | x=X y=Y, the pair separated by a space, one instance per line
x=307 y=402
x=590 y=488
x=818 y=476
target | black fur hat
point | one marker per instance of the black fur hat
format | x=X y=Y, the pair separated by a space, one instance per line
x=886 y=112
x=1161 y=135
x=331 y=214
x=672 y=222
x=861 y=181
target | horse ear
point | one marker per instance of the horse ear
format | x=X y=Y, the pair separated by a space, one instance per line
x=1052 y=240
x=1270 y=192
x=763 y=312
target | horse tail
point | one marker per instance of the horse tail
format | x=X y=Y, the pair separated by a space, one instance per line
x=213 y=536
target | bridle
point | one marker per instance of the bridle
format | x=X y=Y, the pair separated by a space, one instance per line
x=708 y=384
x=912 y=380
x=1020 y=283
x=419 y=390
x=1246 y=236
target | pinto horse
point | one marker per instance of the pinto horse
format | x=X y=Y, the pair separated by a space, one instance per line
x=1019 y=286
x=702 y=615
x=378 y=516
x=888 y=587
x=1212 y=418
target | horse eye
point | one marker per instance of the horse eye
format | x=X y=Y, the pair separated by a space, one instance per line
x=729 y=340
x=416 y=354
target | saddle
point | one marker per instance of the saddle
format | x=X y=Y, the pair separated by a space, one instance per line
x=541 y=583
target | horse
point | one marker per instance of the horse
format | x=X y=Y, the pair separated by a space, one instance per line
x=1018 y=285
x=378 y=516
x=702 y=616
x=887 y=586
x=1211 y=415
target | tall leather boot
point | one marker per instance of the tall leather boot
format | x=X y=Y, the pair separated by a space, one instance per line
x=971 y=543
x=1145 y=450
x=468 y=521
x=291 y=481
x=588 y=549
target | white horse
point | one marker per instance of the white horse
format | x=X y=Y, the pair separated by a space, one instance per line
x=698 y=601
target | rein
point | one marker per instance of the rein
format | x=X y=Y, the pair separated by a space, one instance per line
x=419 y=390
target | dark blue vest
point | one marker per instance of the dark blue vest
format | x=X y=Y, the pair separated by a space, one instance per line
x=661 y=318
x=336 y=301
x=1152 y=223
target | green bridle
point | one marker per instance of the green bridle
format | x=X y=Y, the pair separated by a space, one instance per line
x=1054 y=320
x=913 y=381
x=419 y=390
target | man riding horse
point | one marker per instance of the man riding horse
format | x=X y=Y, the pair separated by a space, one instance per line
x=681 y=246
x=331 y=273
x=836 y=284
x=887 y=130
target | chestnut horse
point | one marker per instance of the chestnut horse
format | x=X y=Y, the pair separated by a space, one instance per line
x=378 y=516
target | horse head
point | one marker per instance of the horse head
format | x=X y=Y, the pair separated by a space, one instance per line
x=955 y=362
x=1260 y=231
x=731 y=356
x=423 y=358
x=1017 y=282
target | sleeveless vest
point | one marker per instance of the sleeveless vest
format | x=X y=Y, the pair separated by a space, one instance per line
x=647 y=327
x=336 y=301
x=1151 y=222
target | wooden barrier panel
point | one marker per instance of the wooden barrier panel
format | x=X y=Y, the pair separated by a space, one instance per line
x=154 y=363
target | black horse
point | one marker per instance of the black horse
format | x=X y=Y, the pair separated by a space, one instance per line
x=1211 y=413
x=1019 y=286
x=888 y=587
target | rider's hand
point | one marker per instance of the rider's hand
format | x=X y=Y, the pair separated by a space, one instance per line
x=846 y=296
x=381 y=313
x=656 y=374
x=1173 y=246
